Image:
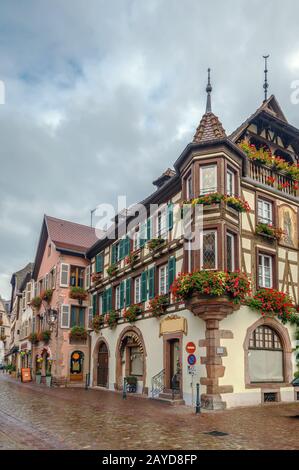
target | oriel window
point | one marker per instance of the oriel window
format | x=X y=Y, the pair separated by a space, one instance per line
x=208 y=179
x=209 y=249
x=230 y=252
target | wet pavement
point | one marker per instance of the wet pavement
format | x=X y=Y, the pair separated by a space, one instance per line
x=36 y=417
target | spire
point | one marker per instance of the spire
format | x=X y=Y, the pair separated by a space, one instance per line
x=209 y=90
x=266 y=84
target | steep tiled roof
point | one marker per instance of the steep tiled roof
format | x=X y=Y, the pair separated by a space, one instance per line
x=210 y=128
x=69 y=235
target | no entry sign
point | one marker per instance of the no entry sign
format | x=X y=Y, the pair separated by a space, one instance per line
x=190 y=348
x=191 y=359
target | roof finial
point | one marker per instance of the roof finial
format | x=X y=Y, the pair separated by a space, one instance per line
x=208 y=90
x=266 y=84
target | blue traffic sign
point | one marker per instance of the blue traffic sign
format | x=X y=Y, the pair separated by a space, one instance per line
x=191 y=359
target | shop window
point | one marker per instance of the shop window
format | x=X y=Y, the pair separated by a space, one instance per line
x=76 y=366
x=136 y=361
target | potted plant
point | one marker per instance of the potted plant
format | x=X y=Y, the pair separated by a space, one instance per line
x=78 y=293
x=36 y=302
x=48 y=372
x=45 y=336
x=112 y=270
x=158 y=305
x=46 y=295
x=13 y=371
x=38 y=377
x=96 y=277
x=271 y=303
x=131 y=313
x=78 y=333
x=268 y=231
x=33 y=338
x=155 y=243
x=132 y=258
x=111 y=318
x=97 y=322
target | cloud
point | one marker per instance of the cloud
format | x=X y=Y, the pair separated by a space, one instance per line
x=101 y=97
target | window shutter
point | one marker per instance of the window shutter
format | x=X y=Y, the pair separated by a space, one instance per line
x=81 y=317
x=99 y=263
x=149 y=229
x=151 y=282
x=127 y=245
x=94 y=304
x=122 y=294
x=170 y=216
x=64 y=275
x=128 y=292
x=54 y=278
x=65 y=316
x=171 y=271
x=109 y=299
x=144 y=286
x=113 y=254
x=90 y=316
x=104 y=300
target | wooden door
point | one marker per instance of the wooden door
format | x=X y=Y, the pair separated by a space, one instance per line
x=103 y=365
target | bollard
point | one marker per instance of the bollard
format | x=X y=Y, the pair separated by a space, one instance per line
x=87 y=381
x=197 y=407
x=125 y=389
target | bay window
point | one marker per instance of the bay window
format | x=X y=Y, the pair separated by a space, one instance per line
x=189 y=191
x=230 y=183
x=230 y=251
x=209 y=250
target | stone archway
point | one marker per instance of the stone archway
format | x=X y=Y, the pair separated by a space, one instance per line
x=131 y=337
x=95 y=358
x=283 y=334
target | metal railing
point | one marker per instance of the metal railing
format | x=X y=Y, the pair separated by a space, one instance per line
x=158 y=383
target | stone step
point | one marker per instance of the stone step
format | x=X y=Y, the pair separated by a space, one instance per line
x=168 y=401
x=169 y=396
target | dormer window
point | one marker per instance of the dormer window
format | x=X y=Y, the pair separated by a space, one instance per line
x=208 y=179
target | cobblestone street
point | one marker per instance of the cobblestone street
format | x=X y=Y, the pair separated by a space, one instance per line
x=35 y=417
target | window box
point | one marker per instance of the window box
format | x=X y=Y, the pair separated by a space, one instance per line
x=78 y=334
x=159 y=304
x=45 y=336
x=269 y=232
x=156 y=244
x=112 y=270
x=46 y=295
x=131 y=313
x=36 y=302
x=78 y=293
x=33 y=338
x=96 y=278
x=97 y=323
x=111 y=318
x=132 y=258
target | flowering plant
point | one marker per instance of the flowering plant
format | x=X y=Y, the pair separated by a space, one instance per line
x=235 y=285
x=95 y=277
x=33 y=338
x=269 y=230
x=97 y=322
x=45 y=336
x=155 y=243
x=111 y=318
x=78 y=332
x=215 y=198
x=78 y=293
x=237 y=203
x=159 y=304
x=271 y=302
x=112 y=270
x=131 y=258
x=36 y=302
x=46 y=295
x=131 y=313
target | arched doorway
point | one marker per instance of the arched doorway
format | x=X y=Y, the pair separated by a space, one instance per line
x=103 y=361
x=265 y=358
x=76 y=366
x=131 y=358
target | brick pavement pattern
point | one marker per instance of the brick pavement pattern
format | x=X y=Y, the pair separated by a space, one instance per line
x=36 y=417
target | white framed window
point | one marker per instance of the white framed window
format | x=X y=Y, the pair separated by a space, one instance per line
x=208 y=179
x=209 y=252
x=265 y=271
x=100 y=300
x=65 y=316
x=161 y=223
x=136 y=240
x=265 y=211
x=87 y=277
x=163 y=279
x=64 y=275
x=189 y=192
x=230 y=251
x=230 y=183
x=117 y=297
x=137 y=290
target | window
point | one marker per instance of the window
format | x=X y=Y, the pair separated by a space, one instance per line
x=230 y=251
x=49 y=250
x=136 y=361
x=136 y=240
x=265 y=271
x=265 y=211
x=230 y=183
x=117 y=297
x=208 y=179
x=161 y=224
x=77 y=276
x=189 y=192
x=137 y=290
x=163 y=279
x=77 y=316
x=209 y=249
x=64 y=275
x=265 y=356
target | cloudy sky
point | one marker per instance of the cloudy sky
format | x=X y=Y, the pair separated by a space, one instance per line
x=101 y=97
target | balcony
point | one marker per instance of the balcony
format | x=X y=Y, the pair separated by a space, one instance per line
x=273 y=178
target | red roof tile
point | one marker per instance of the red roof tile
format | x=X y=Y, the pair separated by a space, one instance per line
x=210 y=128
x=70 y=235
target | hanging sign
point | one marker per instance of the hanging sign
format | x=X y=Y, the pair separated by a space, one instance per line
x=191 y=359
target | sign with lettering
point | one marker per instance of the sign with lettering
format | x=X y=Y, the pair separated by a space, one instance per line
x=190 y=347
x=26 y=374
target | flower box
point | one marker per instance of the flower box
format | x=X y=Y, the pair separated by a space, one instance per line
x=131 y=313
x=156 y=244
x=78 y=334
x=158 y=305
x=78 y=293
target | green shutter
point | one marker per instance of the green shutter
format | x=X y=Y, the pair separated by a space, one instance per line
x=142 y=234
x=128 y=292
x=94 y=305
x=81 y=317
x=99 y=262
x=171 y=271
x=127 y=245
x=122 y=294
x=144 y=286
x=104 y=302
x=149 y=229
x=170 y=216
x=73 y=317
x=113 y=254
x=151 y=283
x=121 y=249
x=109 y=299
